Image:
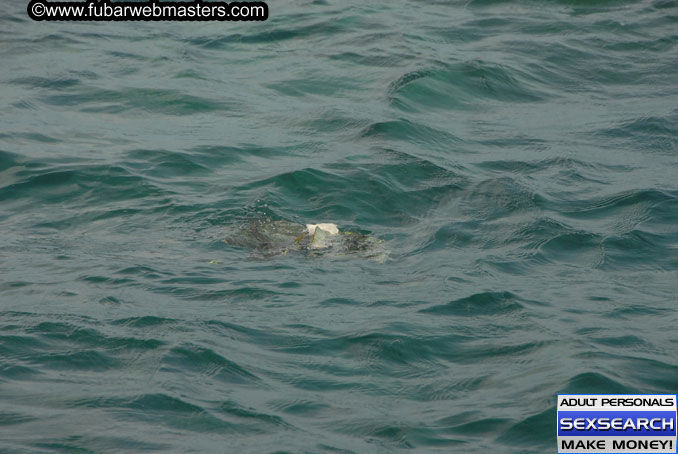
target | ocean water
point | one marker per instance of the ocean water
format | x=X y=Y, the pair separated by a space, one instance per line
x=518 y=160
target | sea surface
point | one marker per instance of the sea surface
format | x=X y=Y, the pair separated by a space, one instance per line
x=517 y=159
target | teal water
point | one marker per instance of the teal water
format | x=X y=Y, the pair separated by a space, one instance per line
x=518 y=160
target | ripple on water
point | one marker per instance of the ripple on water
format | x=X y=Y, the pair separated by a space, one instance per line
x=463 y=86
x=487 y=303
x=204 y=361
x=654 y=134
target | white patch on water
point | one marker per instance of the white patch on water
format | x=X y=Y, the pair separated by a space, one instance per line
x=332 y=229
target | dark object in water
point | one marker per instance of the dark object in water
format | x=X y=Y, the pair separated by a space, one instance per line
x=279 y=237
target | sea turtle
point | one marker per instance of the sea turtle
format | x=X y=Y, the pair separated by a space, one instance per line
x=269 y=237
